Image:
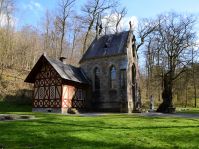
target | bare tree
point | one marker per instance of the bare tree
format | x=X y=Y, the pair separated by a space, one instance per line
x=91 y=10
x=175 y=36
x=194 y=77
x=120 y=14
x=47 y=30
x=112 y=21
x=65 y=10
x=76 y=30
x=6 y=33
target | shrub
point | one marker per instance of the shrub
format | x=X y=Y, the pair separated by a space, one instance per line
x=72 y=111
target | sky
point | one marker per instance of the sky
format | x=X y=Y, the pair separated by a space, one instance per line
x=30 y=12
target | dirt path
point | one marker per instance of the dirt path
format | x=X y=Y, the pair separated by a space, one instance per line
x=148 y=114
x=155 y=114
x=11 y=117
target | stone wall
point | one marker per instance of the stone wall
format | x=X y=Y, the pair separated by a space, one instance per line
x=53 y=110
x=113 y=100
x=132 y=76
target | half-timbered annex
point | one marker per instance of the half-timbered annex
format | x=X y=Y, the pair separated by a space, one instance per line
x=57 y=86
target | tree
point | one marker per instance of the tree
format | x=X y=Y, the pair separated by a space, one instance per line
x=75 y=33
x=6 y=33
x=6 y=11
x=194 y=77
x=47 y=30
x=112 y=22
x=120 y=14
x=92 y=9
x=65 y=10
x=174 y=37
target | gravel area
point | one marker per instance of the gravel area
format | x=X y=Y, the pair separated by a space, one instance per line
x=156 y=114
x=12 y=117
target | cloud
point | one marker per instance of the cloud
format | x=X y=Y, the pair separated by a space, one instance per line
x=110 y=23
x=33 y=6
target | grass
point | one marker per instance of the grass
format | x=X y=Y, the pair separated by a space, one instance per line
x=118 y=131
x=188 y=110
x=110 y=131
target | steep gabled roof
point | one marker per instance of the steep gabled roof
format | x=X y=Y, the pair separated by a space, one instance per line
x=107 y=45
x=66 y=72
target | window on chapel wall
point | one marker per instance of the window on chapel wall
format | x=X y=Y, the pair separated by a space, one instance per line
x=96 y=79
x=123 y=79
x=133 y=74
x=113 y=80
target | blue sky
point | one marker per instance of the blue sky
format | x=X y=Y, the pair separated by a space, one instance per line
x=150 y=8
x=30 y=12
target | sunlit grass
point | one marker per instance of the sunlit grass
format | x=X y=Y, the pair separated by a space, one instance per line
x=188 y=110
x=108 y=131
x=58 y=131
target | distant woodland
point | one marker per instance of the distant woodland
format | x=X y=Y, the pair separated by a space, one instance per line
x=166 y=44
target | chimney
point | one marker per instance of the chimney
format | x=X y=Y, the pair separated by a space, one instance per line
x=63 y=60
x=45 y=54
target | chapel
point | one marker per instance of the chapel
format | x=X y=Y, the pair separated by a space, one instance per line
x=107 y=79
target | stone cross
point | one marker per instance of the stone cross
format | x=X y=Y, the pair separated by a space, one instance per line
x=151 y=103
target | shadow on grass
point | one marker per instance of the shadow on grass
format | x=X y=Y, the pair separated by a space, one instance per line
x=20 y=102
x=13 y=107
x=44 y=134
x=60 y=131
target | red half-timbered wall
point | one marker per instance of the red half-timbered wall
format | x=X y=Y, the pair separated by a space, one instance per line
x=68 y=93
x=47 y=88
x=79 y=98
x=73 y=97
x=49 y=92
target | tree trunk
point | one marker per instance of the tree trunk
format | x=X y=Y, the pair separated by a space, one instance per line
x=86 y=36
x=186 y=96
x=166 y=106
x=195 y=95
x=194 y=79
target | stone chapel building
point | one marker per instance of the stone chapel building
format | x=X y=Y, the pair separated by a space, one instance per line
x=107 y=78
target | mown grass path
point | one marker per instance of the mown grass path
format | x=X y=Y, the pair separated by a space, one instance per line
x=101 y=131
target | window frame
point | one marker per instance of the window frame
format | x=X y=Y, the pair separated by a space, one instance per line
x=96 y=82
x=123 y=79
x=113 y=77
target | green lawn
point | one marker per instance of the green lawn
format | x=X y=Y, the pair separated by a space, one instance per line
x=109 y=131
x=188 y=110
x=116 y=131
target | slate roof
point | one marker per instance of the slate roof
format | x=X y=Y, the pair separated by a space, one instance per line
x=107 y=45
x=66 y=72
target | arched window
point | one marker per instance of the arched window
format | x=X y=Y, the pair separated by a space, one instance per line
x=112 y=77
x=123 y=78
x=133 y=74
x=134 y=82
x=96 y=79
